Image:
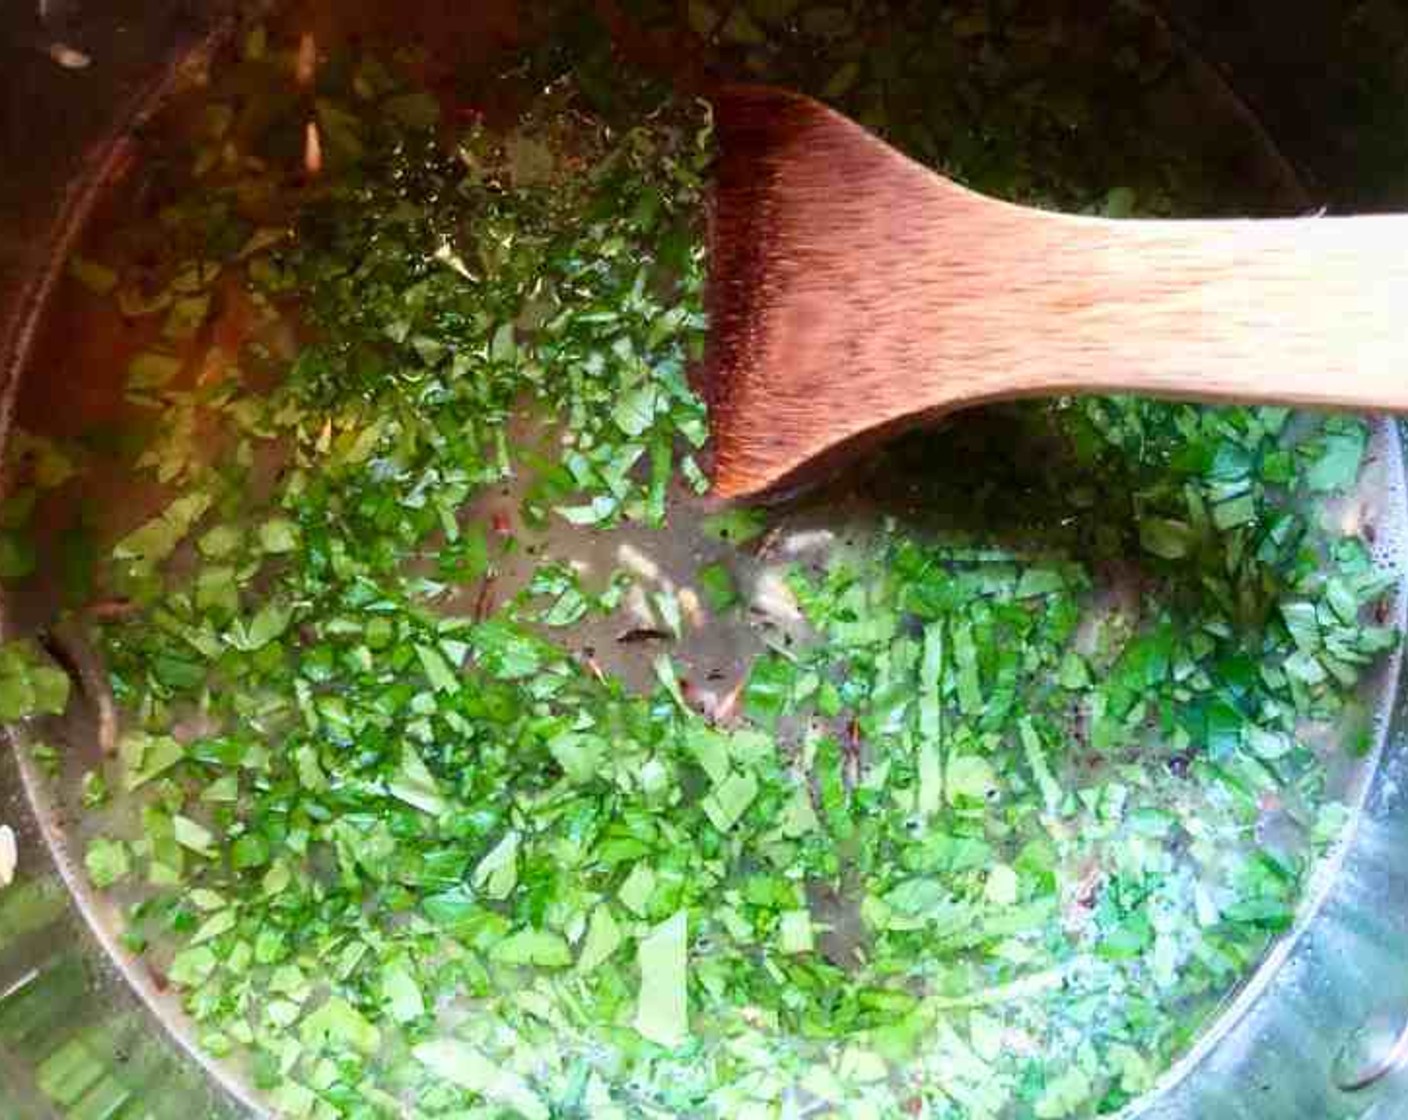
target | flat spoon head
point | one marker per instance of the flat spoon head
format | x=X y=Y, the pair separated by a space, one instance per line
x=853 y=293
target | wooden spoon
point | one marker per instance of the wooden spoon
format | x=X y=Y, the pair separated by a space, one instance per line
x=853 y=293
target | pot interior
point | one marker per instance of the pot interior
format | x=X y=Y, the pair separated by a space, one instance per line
x=355 y=452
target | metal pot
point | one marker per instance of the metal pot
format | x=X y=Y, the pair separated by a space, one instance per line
x=1322 y=1031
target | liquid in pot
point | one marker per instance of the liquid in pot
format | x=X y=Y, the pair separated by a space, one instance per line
x=437 y=748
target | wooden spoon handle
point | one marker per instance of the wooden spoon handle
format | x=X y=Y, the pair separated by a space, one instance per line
x=854 y=292
x=1305 y=311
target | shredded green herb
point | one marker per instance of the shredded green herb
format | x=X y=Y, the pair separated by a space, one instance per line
x=1009 y=818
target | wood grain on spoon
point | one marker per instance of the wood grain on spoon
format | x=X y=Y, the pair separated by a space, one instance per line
x=853 y=292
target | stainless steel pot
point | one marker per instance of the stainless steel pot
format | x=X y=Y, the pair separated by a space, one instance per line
x=1322 y=1032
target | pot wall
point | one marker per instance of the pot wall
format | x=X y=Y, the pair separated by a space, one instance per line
x=1330 y=88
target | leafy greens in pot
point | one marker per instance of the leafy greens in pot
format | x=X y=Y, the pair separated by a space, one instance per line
x=975 y=836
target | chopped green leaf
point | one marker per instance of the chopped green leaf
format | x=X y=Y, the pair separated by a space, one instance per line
x=30 y=684
x=730 y=800
x=737 y=526
x=603 y=938
x=533 y=946
x=152 y=370
x=108 y=862
x=462 y=1064
x=1337 y=455
x=97 y=278
x=338 y=1023
x=716 y=582
x=662 y=1014
x=497 y=873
